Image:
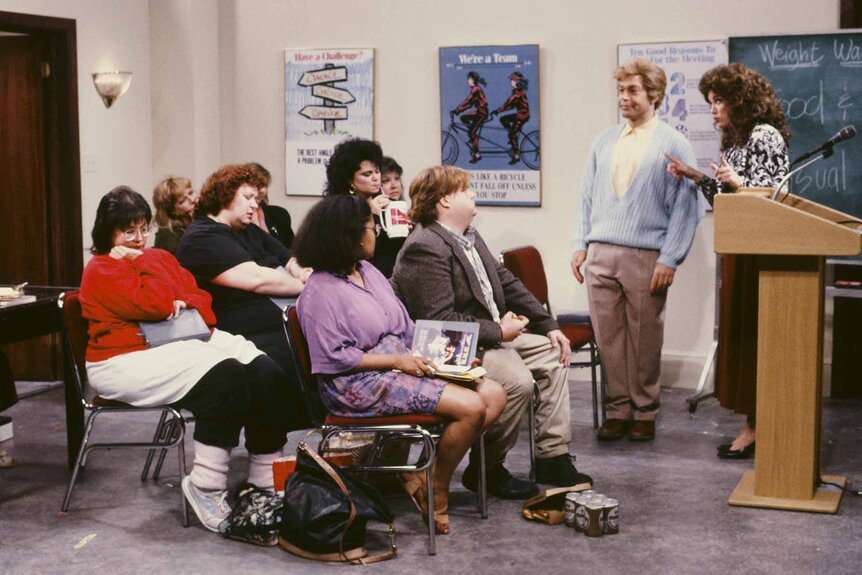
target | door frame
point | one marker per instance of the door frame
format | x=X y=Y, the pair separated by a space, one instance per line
x=62 y=145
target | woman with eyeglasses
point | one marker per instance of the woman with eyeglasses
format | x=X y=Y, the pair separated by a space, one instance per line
x=359 y=336
x=226 y=382
x=354 y=169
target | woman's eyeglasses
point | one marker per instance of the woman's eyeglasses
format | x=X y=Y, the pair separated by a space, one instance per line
x=375 y=228
x=132 y=233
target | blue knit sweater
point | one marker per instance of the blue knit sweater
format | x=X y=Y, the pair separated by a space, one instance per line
x=657 y=212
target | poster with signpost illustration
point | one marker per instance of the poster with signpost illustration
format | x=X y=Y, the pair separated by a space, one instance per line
x=328 y=97
x=684 y=107
x=489 y=116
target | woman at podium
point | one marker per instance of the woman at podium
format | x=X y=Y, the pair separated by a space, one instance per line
x=754 y=137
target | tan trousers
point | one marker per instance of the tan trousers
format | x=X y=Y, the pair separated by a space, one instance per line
x=629 y=325
x=514 y=365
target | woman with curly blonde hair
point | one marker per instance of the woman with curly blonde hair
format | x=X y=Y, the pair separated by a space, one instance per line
x=754 y=138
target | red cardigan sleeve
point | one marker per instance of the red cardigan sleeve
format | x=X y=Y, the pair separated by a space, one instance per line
x=131 y=290
x=187 y=289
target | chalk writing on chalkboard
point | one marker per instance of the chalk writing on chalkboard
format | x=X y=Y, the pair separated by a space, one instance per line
x=818 y=81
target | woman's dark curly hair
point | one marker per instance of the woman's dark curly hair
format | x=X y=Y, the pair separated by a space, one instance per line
x=750 y=100
x=119 y=209
x=220 y=188
x=330 y=237
x=344 y=163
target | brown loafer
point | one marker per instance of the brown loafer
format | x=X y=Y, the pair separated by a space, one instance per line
x=642 y=431
x=613 y=429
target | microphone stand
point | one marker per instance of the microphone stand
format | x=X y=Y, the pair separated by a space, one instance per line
x=786 y=180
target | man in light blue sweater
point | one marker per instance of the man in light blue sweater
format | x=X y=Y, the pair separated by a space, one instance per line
x=635 y=226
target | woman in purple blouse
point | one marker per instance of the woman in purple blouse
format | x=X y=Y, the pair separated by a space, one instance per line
x=359 y=337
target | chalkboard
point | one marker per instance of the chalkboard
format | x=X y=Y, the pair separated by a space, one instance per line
x=818 y=78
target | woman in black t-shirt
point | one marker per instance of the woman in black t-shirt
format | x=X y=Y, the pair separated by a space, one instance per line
x=244 y=268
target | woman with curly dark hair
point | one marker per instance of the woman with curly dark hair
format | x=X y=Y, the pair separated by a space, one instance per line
x=354 y=168
x=754 y=133
x=754 y=138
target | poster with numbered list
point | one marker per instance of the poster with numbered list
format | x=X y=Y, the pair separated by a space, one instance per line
x=328 y=97
x=490 y=118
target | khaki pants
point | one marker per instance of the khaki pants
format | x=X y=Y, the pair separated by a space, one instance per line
x=629 y=325
x=514 y=365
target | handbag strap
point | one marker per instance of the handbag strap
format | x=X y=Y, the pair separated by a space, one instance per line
x=393 y=549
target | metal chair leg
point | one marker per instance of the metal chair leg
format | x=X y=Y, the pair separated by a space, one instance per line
x=531 y=419
x=483 y=480
x=79 y=461
x=602 y=394
x=181 y=454
x=174 y=429
x=156 y=438
x=432 y=528
x=593 y=356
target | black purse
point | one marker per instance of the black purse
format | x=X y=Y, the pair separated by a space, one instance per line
x=326 y=511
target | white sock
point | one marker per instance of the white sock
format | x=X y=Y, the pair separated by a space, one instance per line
x=210 y=470
x=260 y=469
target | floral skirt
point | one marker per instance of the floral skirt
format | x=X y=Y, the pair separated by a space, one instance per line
x=377 y=393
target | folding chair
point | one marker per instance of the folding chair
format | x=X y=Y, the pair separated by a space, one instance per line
x=414 y=428
x=170 y=431
x=526 y=264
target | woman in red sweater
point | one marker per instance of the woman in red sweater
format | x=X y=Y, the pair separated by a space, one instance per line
x=226 y=382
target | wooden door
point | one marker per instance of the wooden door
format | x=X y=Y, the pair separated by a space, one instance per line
x=25 y=219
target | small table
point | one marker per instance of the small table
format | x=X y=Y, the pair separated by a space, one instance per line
x=42 y=317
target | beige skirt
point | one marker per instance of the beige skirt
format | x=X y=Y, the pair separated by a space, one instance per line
x=165 y=374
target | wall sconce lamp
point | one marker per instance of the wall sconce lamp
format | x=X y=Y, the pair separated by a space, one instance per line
x=111 y=85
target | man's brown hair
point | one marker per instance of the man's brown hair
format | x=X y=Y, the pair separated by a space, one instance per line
x=430 y=186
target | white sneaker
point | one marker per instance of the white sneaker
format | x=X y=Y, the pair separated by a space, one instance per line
x=211 y=507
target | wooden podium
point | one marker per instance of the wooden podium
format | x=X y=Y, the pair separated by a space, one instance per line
x=792 y=239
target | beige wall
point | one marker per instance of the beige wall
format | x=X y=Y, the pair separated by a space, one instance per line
x=184 y=60
x=231 y=109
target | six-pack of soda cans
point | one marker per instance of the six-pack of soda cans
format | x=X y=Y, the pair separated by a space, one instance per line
x=592 y=513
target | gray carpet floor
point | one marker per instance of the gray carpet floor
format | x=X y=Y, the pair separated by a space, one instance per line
x=672 y=492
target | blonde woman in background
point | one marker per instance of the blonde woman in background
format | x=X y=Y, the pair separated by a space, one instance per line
x=175 y=200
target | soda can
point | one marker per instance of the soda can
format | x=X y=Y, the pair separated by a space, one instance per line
x=569 y=510
x=611 y=516
x=598 y=499
x=594 y=518
x=581 y=518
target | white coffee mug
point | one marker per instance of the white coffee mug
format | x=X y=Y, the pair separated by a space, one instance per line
x=394 y=220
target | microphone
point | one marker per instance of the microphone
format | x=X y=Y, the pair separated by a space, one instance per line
x=843 y=134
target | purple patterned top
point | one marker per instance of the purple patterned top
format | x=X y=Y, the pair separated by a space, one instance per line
x=341 y=320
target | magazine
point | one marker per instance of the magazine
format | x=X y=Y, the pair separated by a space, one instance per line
x=450 y=345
